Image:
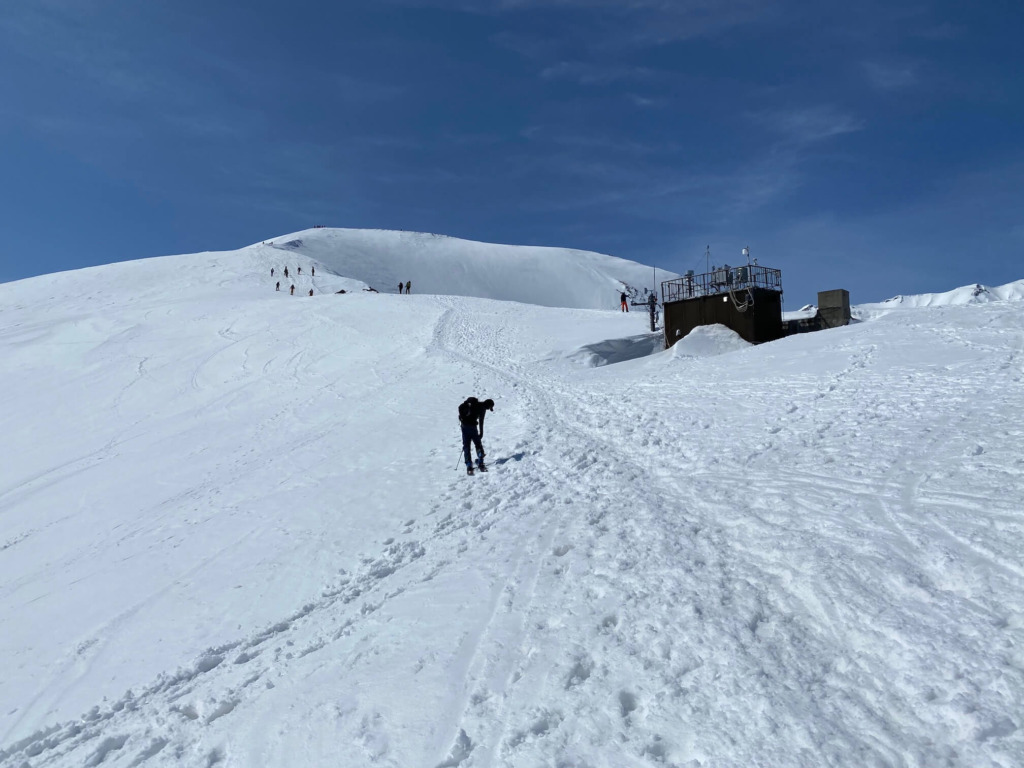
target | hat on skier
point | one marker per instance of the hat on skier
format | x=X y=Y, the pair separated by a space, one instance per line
x=488 y=404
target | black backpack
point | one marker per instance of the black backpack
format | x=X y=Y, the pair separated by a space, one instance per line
x=466 y=411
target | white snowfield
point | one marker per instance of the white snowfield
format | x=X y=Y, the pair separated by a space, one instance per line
x=235 y=529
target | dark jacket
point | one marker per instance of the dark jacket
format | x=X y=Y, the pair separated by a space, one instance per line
x=473 y=411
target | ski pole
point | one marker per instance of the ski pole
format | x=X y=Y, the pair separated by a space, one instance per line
x=459 y=460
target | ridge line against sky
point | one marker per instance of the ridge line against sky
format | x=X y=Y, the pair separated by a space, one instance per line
x=875 y=147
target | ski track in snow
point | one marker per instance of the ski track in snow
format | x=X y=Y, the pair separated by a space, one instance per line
x=733 y=563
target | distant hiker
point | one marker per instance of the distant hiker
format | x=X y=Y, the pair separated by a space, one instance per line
x=271 y=271
x=408 y=286
x=293 y=290
x=310 y=291
x=278 y=286
x=625 y=305
x=300 y=270
x=286 y=271
x=399 y=288
x=471 y=417
x=312 y=271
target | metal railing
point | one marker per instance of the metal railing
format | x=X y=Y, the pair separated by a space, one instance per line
x=721 y=280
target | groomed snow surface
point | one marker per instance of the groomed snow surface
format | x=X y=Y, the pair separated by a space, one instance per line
x=235 y=529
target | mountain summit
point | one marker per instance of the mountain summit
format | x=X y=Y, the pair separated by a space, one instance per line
x=438 y=264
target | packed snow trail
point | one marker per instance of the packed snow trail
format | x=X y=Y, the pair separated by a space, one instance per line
x=765 y=585
x=799 y=554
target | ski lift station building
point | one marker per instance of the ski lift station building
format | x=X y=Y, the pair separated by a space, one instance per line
x=746 y=299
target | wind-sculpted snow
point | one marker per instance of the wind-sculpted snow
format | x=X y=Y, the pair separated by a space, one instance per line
x=612 y=351
x=234 y=531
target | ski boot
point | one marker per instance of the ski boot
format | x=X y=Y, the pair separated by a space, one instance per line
x=469 y=470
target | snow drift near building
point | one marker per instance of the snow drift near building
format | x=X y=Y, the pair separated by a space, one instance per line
x=708 y=341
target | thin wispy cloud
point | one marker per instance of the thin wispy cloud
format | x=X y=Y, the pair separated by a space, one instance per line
x=647 y=102
x=628 y=22
x=592 y=141
x=587 y=73
x=941 y=31
x=889 y=76
x=662 y=184
x=363 y=89
x=807 y=125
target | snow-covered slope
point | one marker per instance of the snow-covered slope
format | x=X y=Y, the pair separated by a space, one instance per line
x=234 y=530
x=437 y=264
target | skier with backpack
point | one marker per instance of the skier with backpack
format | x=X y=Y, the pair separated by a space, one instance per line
x=471 y=416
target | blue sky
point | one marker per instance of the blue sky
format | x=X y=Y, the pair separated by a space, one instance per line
x=875 y=146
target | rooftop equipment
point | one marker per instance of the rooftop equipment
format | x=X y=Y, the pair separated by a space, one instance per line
x=747 y=299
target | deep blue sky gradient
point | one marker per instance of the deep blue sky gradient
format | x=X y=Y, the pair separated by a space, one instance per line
x=875 y=146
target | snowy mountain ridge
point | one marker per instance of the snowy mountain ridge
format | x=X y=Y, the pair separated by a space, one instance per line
x=958 y=297
x=356 y=260
x=444 y=265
